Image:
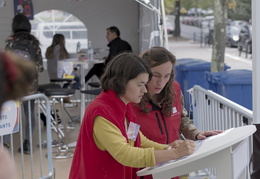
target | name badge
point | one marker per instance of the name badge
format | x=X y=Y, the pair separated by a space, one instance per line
x=174 y=110
x=132 y=131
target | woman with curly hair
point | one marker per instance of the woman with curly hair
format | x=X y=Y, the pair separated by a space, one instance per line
x=161 y=112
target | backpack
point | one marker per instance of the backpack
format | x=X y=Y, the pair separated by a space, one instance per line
x=24 y=49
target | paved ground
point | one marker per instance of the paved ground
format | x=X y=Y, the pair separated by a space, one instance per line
x=183 y=48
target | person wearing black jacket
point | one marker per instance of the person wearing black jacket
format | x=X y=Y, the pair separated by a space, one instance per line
x=116 y=46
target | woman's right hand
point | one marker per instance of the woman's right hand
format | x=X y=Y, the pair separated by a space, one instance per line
x=184 y=148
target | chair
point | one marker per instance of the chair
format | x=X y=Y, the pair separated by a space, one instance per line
x=92 y=91
x=57 y=95
x=94 y=84
x=44 y=87
x=60 y=81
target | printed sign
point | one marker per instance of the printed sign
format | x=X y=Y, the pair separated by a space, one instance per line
x=65 y=70
x=25 y=7
x=9 y=122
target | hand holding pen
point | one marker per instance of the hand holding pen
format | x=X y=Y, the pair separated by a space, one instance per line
x=182 y=148
x=176 y=143
x=182 y=136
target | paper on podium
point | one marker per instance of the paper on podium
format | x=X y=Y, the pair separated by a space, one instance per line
x=215 y=151
x=197 y=150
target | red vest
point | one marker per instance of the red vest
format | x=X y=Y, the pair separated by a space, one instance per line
x=89 y=162
x=158 y=127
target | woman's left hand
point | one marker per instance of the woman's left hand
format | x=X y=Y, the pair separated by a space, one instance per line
x=204 y=135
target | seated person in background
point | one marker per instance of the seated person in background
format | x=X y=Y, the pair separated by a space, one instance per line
x=116 y=45
x=55 y=52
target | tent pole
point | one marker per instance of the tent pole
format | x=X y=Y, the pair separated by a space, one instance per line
x=164 y=32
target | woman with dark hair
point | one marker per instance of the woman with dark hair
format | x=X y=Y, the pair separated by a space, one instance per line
x=161 y=112
x=55 y=52
x=21 y=24
x=110 y=144
x=21 y=28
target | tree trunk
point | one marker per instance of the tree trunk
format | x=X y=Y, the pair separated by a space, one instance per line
x=177 y=29
x=219 y=35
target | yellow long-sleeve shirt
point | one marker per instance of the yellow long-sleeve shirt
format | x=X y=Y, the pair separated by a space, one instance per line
x=109 y=138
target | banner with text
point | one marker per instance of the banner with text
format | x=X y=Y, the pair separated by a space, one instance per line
x=9 y=122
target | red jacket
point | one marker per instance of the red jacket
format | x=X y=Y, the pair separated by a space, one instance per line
x=89 y=162
x=158 y=127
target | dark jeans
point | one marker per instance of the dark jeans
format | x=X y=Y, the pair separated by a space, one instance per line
x=97 y=70
x=26 y=113
x=76 y=85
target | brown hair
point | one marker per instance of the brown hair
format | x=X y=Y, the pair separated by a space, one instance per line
x=121 y=69
x=156 y=56
x=58 y=39
x=21 y=23
x=17 y=76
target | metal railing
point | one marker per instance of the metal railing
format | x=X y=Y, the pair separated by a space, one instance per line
x=212 y=111
x=37 y=164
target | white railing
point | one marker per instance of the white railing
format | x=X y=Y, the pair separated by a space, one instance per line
x=212 y=111
x=38 y=164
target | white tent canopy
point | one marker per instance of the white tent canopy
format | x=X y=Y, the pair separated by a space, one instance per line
x=138 y=24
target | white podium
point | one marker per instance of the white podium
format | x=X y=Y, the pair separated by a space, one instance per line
x=228 y=152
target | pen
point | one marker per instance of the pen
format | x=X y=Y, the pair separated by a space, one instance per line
x=182 y=136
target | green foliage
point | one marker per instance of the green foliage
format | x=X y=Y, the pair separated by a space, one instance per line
x=204 y=4
x=169 y=6
x=242 y=11
x=187 y=4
